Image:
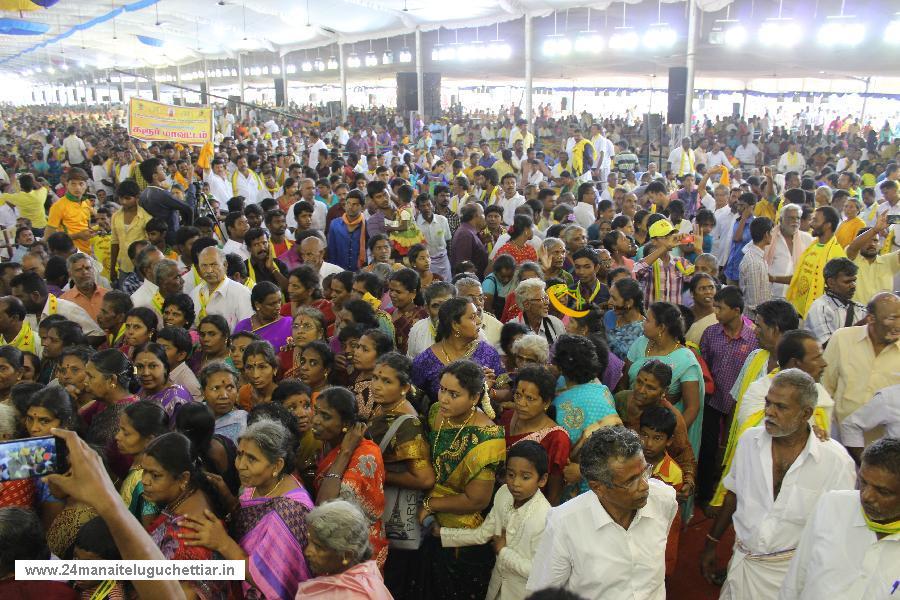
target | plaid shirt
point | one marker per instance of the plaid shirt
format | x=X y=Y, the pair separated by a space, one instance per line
x=725 y=356
x=828 y=313
x=671 y=279
x=754 y=278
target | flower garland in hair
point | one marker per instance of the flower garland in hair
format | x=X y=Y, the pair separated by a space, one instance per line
x=486 y=403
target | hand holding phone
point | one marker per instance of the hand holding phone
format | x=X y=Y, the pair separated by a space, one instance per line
x=32 y=457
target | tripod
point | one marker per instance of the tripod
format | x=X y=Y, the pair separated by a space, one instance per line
x=205 y=208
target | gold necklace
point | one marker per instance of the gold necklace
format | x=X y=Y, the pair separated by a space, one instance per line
x=272 y=489
x=466 y=354
x=456 y=437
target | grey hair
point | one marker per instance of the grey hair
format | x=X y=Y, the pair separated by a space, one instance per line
x=605 y=445
x=526 y=289
x=467 y=282
x=549 y=242
x=75 y=258
x=803 y=384
x=341 y=527
x=438 y=289
x=217 y=366
x=166 y=264
x=527 y=266
x=274 y=441
x=791 y=207
x=536 y=343
x=142 y=260
x=8 y=422
x=826 y=191
x=220 y=254
x=566 y=234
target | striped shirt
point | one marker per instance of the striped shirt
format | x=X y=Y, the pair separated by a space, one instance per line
x=754 y=278
x=672 y=276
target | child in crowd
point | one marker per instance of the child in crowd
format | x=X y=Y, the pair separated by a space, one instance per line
x=657 y=429
x=520 y=509
x=95 y=542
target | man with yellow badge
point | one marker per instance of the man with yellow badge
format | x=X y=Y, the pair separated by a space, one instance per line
x=807 y=282
x=15 y=329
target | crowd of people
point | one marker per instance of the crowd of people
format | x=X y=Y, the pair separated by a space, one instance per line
x=475 y=357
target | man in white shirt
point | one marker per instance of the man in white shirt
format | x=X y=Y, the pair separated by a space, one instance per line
x=31 y=289
x=791 y=160
x=510 y=199
x=469 y=287
x=788 y=245
x=609 y=542
x=236 y=226
x=850 y=548
x=883 y=410
x=436 y=230
x=146 y=295
x=218 y=295
x=586 y=208
x=726 y=215
x=747 y=153
x=681 y=160
x=778 y=473
x=716 y=157
x=421 y=334
x=219 y=186
x=247 y=183
x=320 y=211
x=603 y=152
x=312 y=251
x=315 y=144
x=76 y=152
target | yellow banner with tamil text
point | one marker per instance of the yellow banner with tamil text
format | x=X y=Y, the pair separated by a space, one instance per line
x=156 y=122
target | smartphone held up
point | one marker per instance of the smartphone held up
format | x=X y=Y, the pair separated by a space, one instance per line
x=32 y=457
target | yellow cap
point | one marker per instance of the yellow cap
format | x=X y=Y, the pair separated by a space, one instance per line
x=661 y=228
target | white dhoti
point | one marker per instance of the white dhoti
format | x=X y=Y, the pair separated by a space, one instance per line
x=755 y=576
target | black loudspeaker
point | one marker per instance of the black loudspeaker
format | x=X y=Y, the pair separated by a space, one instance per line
x=677 y=95
x=204 y=99
x=408 y=97
x=155 y=89
x=736 y=110
x=564 y=103
x=279 y=91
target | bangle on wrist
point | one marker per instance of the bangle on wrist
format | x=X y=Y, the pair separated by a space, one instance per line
x=712 y=539
x=332 y=476
x=426 y=504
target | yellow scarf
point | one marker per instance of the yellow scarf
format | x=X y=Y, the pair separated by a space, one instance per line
x=372 y=300
x=253 y=175
x=158 y=302
x=689 y=157
x=179 y=179
x=888 y=528
x=204 y=300
x=114 y=339
x=657 y=276
x=103 y=590
x=251 y=274
x=578 y=152
x=24 y=341
x=52 y=304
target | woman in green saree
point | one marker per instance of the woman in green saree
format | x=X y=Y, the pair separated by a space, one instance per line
x=139 y=424
x=466 y=450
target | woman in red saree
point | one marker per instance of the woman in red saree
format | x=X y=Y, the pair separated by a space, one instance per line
x=528 y=420
x=352 y=468
x=176 y=483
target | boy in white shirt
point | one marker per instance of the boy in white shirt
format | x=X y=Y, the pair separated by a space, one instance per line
x=515 y=524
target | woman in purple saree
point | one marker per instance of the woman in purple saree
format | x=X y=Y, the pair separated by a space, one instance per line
x=457 y=337
x=269 y=530
x=267 y=321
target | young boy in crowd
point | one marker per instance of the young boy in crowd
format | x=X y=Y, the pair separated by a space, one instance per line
x=657 y=429
x=101 y=243
x=178 y=345
x=519 y=508
x=95 y=542
x=72 y=213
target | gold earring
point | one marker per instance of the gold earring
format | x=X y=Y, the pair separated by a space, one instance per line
x=345 y=562
x=344 y=430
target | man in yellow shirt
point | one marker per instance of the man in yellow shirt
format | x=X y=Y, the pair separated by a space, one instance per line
x=521 y=133
x=876 y=271
x=807 y=282
x=128 y=226
x=72 y=213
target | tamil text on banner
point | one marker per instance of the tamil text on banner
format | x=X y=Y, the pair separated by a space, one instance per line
x=156 y=122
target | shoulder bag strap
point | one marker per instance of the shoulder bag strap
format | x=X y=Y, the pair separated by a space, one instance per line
x=392 y=431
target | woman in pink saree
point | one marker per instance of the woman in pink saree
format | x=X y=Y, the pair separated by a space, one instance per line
x=269 y=530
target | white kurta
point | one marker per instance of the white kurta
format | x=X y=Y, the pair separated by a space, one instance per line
x=523 y=526
x=768 y=529
x=230 y=299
